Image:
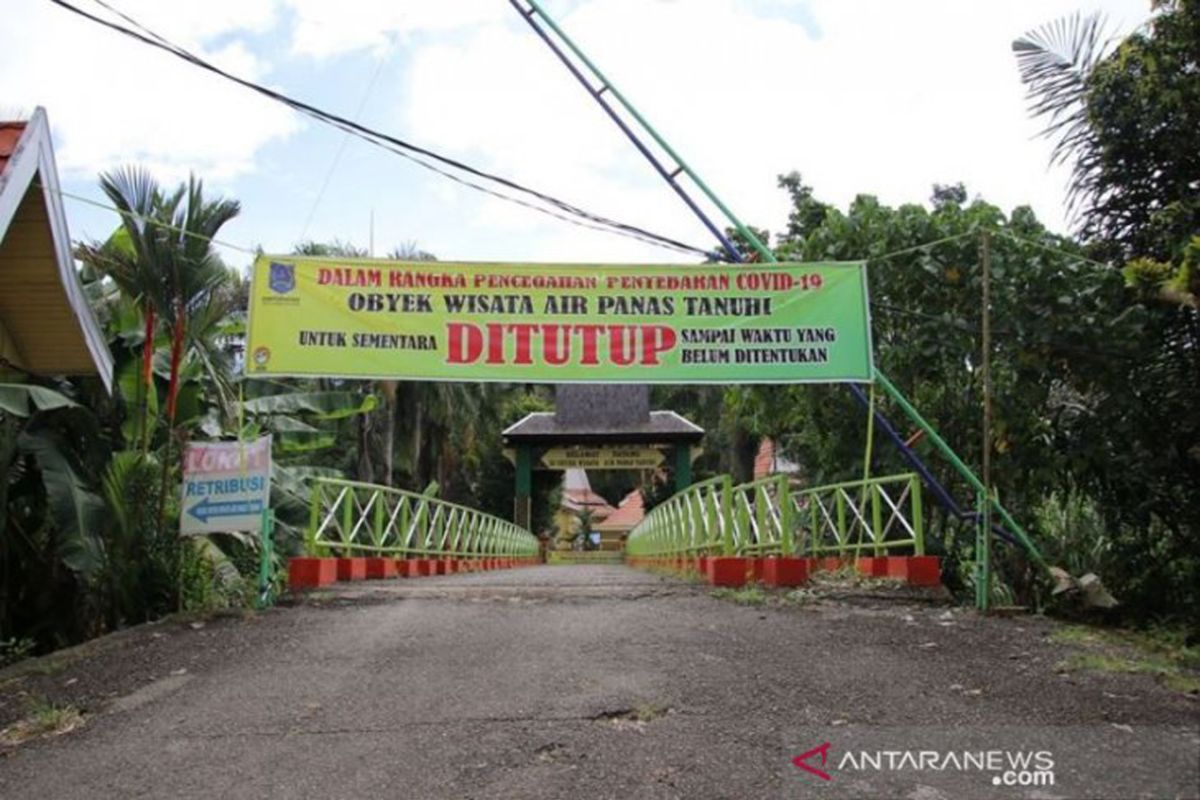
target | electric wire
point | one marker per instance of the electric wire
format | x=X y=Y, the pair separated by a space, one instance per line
x=337 y=157
x=876 y=305
x=149 y=220
x=559 y=209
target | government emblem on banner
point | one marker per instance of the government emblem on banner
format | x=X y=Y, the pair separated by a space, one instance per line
x=282 y=278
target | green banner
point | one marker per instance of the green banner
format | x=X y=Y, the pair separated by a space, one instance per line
x=559 y=323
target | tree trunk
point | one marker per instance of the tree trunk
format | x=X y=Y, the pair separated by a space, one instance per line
x=177 y=334
x=147 y=383
x=389 y=390
x=365 y=468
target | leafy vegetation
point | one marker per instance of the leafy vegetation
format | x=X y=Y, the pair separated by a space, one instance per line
x=1095 y=375
x=44 y=719
x=88 y=497
x=743 y=596
x=1158 y=652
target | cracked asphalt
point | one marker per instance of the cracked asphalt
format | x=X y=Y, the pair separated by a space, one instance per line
x=590 y=682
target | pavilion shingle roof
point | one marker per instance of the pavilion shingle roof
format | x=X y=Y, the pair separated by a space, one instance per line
x=662 y=426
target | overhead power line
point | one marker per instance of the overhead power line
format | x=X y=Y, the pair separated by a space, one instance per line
x=558 y=208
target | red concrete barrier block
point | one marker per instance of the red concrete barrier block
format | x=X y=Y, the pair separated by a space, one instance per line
x=874 y=566
x=924 y=571
x=729 y=571
x=828 y=564
x=437 y=566
x=379 y=568
x=351 y=569
x=785 y=571
x=309 y=573
x=423 y=567
x=401 y=567
x=757 y=565
x=453 y=566
x=897 y=567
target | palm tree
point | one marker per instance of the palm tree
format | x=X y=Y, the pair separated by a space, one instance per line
x=1056 y=63
x=163 y=258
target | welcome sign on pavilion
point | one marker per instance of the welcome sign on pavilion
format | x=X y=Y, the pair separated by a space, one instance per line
x=558 y=323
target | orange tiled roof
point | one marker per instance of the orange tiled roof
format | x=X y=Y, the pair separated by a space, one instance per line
x=628 y=514
x=764 y=461
x=768 y=461
x=10 y=134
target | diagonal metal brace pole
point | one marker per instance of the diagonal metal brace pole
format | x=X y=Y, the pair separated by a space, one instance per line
x=531 y=16
x=598 y=95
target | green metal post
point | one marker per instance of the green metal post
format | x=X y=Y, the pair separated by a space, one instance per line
x=761 y=512
x=377 y=528
x=840 y=504
x=787 y=537
x=741 y=513
x=405 y=510
x=683 y=467
x=424 y=517
x=266 y=545
x=522 y=512
x=347 y=518
x=728 y=544
x=983 y=568
x=315 y=496
x=876 y=518
x=918 y=514
x=814 y=523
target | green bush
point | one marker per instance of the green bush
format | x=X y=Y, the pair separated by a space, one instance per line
x=1072 y=532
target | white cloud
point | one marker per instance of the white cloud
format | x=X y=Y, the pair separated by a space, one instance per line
x=194 y=22
x=112 y=101
x=891 y=98
x=888 y=99
x=323 y=28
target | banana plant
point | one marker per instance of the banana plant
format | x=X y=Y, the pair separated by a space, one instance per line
x=47 y=443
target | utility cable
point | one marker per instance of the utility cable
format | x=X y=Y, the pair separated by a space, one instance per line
x=405 y=149
x=337 y=157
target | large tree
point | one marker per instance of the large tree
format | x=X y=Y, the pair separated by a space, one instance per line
x=1124 y=116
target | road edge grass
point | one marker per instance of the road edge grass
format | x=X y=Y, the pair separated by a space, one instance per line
x=44 y=720
x=751 y=595
x=1162 y=654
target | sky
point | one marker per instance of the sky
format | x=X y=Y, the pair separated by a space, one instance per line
x=860 y=96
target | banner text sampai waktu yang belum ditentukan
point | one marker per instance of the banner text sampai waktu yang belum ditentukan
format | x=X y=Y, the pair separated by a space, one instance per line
x=559 y=323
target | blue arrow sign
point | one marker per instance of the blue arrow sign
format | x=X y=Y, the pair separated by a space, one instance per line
x=206 y=510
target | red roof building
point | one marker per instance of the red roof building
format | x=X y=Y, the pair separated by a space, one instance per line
x=46 y=324
x=629 y=513
x=769 y=462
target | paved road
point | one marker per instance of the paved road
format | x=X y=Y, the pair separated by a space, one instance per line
x=599 y=682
